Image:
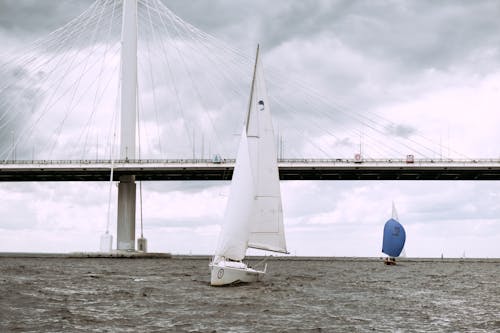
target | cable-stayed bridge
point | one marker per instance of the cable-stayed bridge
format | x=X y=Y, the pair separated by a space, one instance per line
x=289 y=169
x=128 y=91
x=61 y=98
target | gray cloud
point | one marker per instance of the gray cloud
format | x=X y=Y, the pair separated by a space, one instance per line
x=33 y=17
x=19 y=96
x=362 y=55
x=403 y=131
x=414 y=33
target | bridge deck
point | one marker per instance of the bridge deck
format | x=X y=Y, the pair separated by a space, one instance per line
x=296 y=169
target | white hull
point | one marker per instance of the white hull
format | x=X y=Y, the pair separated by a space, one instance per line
x=226 y=273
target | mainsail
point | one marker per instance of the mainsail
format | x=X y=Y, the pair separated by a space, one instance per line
x=267 y=230
x=254 y=213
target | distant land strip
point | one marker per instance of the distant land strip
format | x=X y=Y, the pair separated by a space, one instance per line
x=161 y=255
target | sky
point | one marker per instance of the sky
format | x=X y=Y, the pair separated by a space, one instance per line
x=431 y=68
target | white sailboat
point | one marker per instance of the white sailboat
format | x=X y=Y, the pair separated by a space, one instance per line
x=254 y=213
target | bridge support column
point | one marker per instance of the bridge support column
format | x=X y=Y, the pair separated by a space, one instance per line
x=126 y=188
x=126 y=214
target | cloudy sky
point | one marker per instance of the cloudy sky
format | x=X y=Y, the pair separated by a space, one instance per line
x=417 y=67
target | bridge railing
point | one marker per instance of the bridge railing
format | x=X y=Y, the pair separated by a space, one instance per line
x=393 y=160
x=101 y=161
x=335 y=161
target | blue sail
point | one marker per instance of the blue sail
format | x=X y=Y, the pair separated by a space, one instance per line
x=394 y=238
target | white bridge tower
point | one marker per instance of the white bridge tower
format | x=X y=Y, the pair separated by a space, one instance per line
x=127 y=187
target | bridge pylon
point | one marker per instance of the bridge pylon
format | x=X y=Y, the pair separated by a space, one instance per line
x=127 y=188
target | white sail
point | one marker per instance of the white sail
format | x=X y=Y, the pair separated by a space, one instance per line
x=233 y=239
x=254 y=214
x=394 y=212
x=395 y=217
x=267 y=230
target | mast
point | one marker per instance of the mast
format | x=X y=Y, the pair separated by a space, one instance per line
x=127 y=186
x=253 y=86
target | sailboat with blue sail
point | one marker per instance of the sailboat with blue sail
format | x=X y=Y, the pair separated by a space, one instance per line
x=394 y=238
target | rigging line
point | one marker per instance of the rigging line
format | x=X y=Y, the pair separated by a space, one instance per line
x=416 y=133
x=149 y=135
x=375 y=129
x=225 y=66
x=308 y=139
x=112 y=143
x=218 y=44
x=295 y=118
x=187 y=27
x=179 y=102
x=111 y=138
x=235 y=88
x=60 y=59
x=138 y=115
x=54 y=34
x=209 y=56
x=289 y=106
x=294 y=109
x=101 y=72
x=113 y=75
x=153 y=84
x=211 y=60
x=27 y=128
x=193 y=48
x=91 y=119
x=208 y=36
x=369 y=119
x=245 y=58
x=140 y=107
x=164 y=26
x=78 y=82
x=48 y=60
x=197 y=92
x=46 y=47
x=238 y=53
x=354 y=115
x=74 y=105
x=149 y=56
x=303 y=134
x=53 y=101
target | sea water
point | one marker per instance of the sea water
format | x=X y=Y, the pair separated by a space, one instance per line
x=173 y=295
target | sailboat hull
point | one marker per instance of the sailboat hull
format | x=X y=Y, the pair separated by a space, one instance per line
x=226 y=273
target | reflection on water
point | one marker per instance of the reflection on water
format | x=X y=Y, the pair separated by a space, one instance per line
x=128 y=295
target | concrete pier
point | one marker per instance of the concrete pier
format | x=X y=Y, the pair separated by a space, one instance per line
x=126 y=214
x=125 y=239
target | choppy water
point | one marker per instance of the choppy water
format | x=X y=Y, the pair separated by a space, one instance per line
x=148 y=295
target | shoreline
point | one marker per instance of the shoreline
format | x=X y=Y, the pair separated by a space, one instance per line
x=158 y=255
